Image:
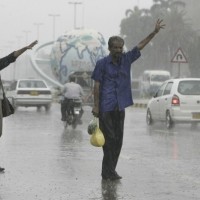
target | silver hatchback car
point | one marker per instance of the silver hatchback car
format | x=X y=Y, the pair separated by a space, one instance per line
x=176 y=101
x=30 y=93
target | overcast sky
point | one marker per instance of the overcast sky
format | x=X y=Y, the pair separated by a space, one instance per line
x=19 y=19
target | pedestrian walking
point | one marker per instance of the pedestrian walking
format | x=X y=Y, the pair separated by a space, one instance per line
x=4 y=62
x=112 y=94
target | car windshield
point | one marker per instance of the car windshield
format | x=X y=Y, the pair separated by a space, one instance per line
x=159 y=78
x=191 y=87
x=32 y=84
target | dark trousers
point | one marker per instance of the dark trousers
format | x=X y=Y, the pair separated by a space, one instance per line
x=112 y=126
x=66 y=108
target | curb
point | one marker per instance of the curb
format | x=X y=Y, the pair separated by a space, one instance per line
x=140 y=105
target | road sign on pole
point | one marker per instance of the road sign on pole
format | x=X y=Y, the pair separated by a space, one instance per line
x=179 y=57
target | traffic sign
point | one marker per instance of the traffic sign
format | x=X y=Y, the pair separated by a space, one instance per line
x=179 y=57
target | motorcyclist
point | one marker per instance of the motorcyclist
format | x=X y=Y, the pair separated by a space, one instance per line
x=70 y=91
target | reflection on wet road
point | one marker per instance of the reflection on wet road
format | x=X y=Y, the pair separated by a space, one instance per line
x=110 y=189
x=44 y=161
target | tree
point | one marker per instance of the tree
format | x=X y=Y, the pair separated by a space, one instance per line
x=193 y=54
x=178 y=32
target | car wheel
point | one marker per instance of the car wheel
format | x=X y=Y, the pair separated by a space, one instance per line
x=169 y=122
x=194 y=125
x=149 y=119
x=65 y=124
x=14 y=104
x=38 y=108
x=47 y=107
x=74 y=125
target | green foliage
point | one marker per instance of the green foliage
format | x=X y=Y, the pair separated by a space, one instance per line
x=178 y=32
x=193 y=54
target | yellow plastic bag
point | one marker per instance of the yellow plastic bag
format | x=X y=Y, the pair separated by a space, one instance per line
x=97 y=138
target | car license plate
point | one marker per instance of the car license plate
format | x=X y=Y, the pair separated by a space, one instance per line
x=34 y=93
x=196 y=115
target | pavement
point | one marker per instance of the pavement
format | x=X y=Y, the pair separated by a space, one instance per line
x=45 y=161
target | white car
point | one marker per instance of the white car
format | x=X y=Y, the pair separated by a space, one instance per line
x=30 y=93
x=151 y=80
x=176 y=101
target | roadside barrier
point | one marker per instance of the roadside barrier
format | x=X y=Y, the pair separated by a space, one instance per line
x=140 y=105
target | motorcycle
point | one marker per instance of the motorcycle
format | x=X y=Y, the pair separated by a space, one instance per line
x=74 y=113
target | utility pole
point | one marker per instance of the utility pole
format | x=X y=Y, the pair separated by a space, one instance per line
x=54 y=23
x=75 y=4
x=8 y=48
x=12 y=69
x=19 y=37
x=26 y=36
x=38 y=24
x=25 y=60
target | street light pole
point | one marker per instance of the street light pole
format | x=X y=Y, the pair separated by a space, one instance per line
x=38 y=29
x=26 y=36
x=19 y=37
x=54 y=23
x=25 y=63
x=75 y=4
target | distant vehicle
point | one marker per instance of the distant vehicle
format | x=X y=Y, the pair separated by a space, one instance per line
x=30 y=93
x=84 y=79
x=136 y=88
x=152 y=80
x=74 y=113
x=6 y=84
x=176 y=101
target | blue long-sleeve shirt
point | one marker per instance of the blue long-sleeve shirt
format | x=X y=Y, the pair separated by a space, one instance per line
x=115 y=81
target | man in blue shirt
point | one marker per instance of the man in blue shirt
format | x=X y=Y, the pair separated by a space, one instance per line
x=112 y=94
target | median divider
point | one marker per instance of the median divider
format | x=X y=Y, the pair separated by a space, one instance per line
x=140 y=103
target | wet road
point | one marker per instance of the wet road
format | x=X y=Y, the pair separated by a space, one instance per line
x=45 y=162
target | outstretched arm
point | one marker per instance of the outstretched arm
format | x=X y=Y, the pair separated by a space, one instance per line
x=5 y=61
x=144 y=42
x=20 y=51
